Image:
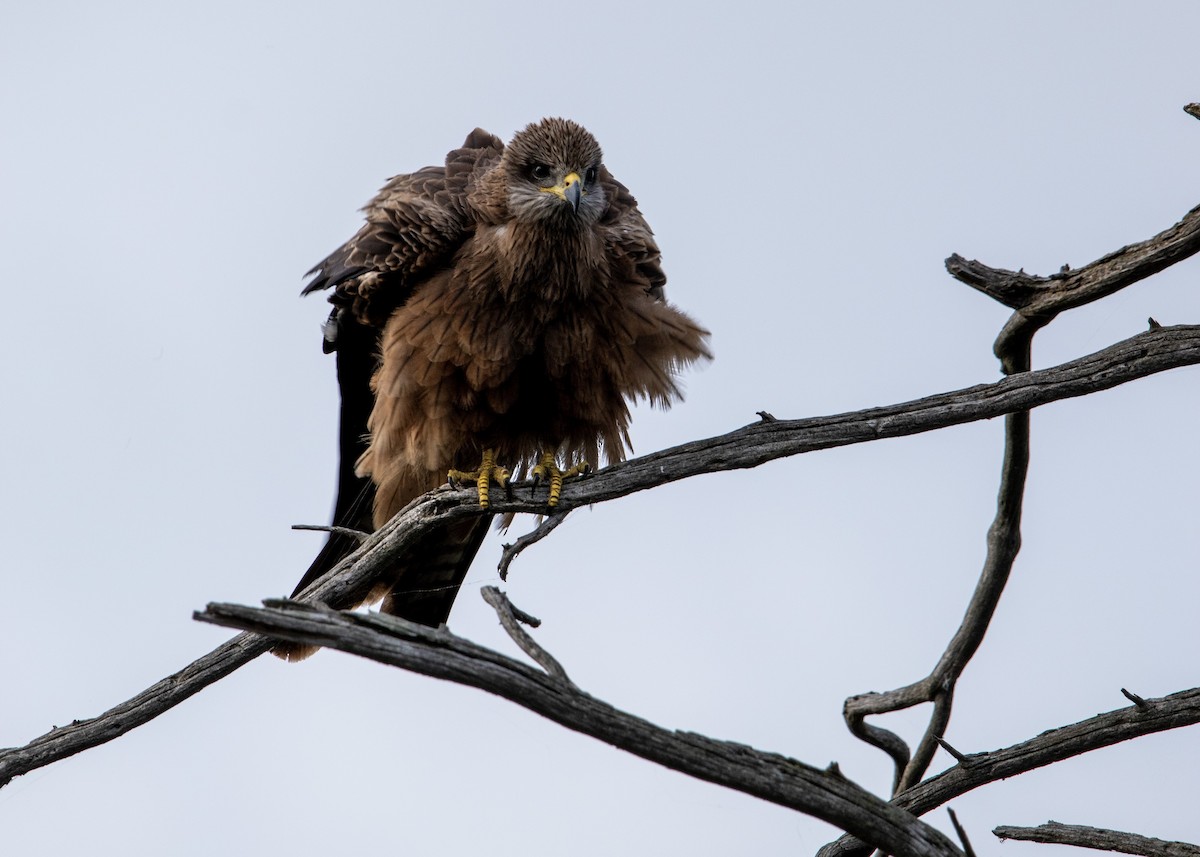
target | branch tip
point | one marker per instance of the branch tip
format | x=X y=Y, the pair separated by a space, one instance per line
x=962 y=833
x=1135 y=699
x=512 y=551
x=510 y=617
x=359 y=536
x=1098 y=838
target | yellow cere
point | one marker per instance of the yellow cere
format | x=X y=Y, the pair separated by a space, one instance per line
x=560 y=190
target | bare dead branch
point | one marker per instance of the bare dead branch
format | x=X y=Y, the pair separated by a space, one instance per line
x=511 y=622
x=962 y=758
x=64 y=741
x=1124 y=724
x=1134 y=698
x=1145 y=354
x=512 y=551
x=756 y=444
x=1037 y=300
x=1014 y=289
x=1102 y=840
x=939 y=720
x=1046 y=297
x=359 y=536
x=962 y=833
x=1003 y=542
x=441 y=654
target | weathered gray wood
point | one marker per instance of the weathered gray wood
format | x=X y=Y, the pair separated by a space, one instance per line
x=1038 y=300
x=1069 y=288
x=439 y=653
x=79 y=735
x=1145 y=354
x=1104 y=730
x=1102 y=840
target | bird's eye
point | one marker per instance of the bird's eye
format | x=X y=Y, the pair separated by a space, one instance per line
x=590 y=176
x=540 y=172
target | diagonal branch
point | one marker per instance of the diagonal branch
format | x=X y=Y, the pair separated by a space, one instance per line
x=1104 y=730
x=440 y=654
x=64 y=741
x=1102 y=840
x=1145 y=354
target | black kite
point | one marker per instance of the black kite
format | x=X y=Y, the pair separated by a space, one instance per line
x=502 y=308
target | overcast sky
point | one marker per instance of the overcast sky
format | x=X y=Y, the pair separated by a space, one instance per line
x=169 y=171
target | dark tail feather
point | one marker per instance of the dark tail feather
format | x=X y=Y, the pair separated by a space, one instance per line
x=356 y=346
x=432 y=574
x=427 y=580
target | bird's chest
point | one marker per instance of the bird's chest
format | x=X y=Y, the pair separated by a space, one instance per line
x=536 y=302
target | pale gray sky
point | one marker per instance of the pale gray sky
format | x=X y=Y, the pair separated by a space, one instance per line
x=169 y=171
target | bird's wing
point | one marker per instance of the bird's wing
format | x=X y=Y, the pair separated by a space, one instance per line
x=413 y=225
x=630 y=240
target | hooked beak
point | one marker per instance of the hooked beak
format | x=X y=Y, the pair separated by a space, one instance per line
x=570 y=191
x=573 y=190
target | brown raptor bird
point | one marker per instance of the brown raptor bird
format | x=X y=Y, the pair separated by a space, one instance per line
x=500 y=311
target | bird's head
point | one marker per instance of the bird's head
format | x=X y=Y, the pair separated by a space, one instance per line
x=553 y=174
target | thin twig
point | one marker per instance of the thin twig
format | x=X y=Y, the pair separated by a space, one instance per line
x=1135 y=699
x=523 y=617
x=512 y=551
x=441 y=654
x=962 y=833
x=1098 y=838
x=962 y=758
x=358 y=535
x=512 y=624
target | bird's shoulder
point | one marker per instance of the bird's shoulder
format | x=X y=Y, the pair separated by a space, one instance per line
x=628 y=236
x=413 y=224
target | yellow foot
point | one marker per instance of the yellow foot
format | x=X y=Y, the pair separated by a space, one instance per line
x=547 y=469
x=489 y=471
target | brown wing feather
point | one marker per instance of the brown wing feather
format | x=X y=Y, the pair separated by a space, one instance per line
x=630 y=239
x=412 y=225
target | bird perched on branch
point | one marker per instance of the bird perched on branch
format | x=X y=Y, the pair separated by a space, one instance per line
x=494 y=314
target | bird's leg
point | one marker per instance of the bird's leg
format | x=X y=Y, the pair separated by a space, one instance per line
x=547 y=469
x=489 y=471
